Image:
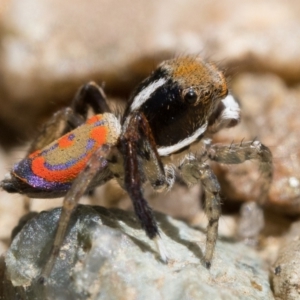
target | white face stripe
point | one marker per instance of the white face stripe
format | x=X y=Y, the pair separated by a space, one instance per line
x=232 y=109
x=145 y=93
x=164 y=151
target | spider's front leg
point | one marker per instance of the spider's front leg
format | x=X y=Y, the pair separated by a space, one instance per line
x=141 y=162
x=252 y=220
x=193 y=171
x=239 y=153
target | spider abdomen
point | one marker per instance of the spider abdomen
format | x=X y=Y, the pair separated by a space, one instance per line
x=55 y=167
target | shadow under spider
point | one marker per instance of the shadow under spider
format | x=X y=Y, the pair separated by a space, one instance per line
x=113 y=216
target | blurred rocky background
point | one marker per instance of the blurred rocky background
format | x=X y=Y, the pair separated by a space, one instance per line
x=49 y=48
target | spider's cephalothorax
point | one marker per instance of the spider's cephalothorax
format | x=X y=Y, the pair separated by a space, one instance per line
x=177 y=101
x=181 y=104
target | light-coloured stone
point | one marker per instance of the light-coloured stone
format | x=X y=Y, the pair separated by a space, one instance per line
x=285 y=274
x=107 y=256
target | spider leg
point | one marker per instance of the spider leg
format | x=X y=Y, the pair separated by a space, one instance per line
x=134 y=155
x=92 y=95
x=193 y=171
x=238 y=153
x=160 y=177
x=149 y=158
x=66 y=119
x=60 y=123
x=252 y=218
x=212 y=209
x=96 y=164
x=133 y=185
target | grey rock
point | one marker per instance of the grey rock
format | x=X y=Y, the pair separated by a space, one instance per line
x=285 y=275
x=106 y=255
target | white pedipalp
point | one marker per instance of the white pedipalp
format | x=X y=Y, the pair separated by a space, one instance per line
x=232 y=109
x=229 y=116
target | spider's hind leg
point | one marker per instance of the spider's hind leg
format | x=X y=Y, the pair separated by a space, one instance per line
x=68 y=118
x=89 y=95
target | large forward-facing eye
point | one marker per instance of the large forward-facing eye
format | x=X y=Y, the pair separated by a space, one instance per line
x=190 y=96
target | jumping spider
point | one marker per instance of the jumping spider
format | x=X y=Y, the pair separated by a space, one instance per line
x=181 y=104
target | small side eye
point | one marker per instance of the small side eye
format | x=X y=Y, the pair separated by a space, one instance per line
x=190 y=96
x=207 y=94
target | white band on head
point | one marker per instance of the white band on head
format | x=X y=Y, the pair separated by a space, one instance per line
x=164 y=151
x=145 y=93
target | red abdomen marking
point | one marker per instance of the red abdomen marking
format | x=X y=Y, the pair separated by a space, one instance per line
x=62 y=160
x=58 y=164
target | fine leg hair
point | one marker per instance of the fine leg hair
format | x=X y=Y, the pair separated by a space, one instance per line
x=238 y=153
x=66 y=119
x=252 y=220
x=233 y=154
x=192 y=171
x=212 y=209
x=96 y=164
x=134 y=153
